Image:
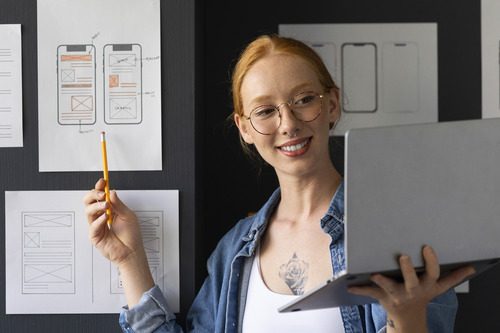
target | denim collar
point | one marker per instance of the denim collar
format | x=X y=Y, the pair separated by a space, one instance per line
x=261 y=218
x=333 y=221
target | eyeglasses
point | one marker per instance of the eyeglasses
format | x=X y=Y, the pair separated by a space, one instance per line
x=305 y=106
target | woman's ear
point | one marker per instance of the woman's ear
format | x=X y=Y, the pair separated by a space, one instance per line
x=243 y=127
x=333 y=105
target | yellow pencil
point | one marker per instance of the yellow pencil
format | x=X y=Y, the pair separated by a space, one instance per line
x=106 y=177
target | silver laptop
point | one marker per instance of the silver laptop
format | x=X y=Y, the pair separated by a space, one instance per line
x=411 y=185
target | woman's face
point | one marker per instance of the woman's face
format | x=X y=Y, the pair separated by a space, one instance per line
x=296 y=147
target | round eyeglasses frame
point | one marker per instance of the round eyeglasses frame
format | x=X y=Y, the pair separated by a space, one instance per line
x=290 y=103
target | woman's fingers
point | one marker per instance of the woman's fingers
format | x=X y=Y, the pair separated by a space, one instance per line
x=93 y=196
x=97 y=229
x=411 y=280
x=96 y=194
x=95 y=209
x=454 y=278
x=432 y=271
x=373 y=292
x=390 y=286
x=99 y=185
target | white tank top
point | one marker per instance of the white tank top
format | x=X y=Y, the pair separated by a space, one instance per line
x=261 y=314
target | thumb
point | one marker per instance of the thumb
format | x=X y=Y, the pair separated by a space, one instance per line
x=118 y=205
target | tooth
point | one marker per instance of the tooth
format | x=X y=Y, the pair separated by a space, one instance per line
x=294 y=147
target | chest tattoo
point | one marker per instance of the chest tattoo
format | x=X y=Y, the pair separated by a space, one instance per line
x=294 y=273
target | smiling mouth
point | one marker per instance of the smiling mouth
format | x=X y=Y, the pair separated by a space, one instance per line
x=295 y=147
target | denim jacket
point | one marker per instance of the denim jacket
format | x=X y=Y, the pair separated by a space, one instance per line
x=220 y=303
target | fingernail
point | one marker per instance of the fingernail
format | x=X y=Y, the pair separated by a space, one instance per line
x=404 y=257
x=104 y=204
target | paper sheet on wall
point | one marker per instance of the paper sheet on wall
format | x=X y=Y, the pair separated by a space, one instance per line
x=387 y=72
x=99 y=70
x=51 y=266
x=11 y=88
x=490 y=54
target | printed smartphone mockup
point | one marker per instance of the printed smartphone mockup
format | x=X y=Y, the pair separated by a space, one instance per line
x=122 y=84
x=327 y=52
x=400 y=83
x=359 y=77
x=76 y=88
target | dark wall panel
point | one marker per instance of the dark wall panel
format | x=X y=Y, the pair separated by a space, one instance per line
x=19 y=166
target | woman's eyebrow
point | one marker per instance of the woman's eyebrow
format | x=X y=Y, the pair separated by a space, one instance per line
x=264 y=99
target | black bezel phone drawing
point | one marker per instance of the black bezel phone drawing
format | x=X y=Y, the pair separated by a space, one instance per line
x=359 y=77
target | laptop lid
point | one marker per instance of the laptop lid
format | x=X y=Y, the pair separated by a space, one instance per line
x=410 y=185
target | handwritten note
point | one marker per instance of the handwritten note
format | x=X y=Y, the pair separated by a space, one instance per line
x=11 y=96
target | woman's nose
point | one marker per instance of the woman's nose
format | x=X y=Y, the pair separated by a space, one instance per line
x=289 y=123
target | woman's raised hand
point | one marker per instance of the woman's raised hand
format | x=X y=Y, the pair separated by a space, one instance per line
x=121 y=243
x=123 y=238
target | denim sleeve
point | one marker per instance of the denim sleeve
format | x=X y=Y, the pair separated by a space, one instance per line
x=441 y=312
x=150 y=315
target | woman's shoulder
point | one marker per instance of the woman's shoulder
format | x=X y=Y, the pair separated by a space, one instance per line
x=239 y=232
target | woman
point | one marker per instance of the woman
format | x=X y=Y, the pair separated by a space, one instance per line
x=285 y=103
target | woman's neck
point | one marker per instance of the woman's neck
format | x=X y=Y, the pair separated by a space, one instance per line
x=306 y=198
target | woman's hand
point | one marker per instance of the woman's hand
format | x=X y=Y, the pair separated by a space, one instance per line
x=406 y=303
x=121 y=243
x=124 y=237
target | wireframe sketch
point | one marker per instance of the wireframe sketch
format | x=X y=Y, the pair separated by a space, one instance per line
x=400 y=81
x=76 y=85
x=48 y=260
x=122 y=83
x=327 y=51
x=359 y=77
x=151 y=223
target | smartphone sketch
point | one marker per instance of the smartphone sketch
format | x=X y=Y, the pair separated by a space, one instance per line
x=400 y=80
x=122 y=83
x=359 y=77
x=76 y=88
x=327 y=52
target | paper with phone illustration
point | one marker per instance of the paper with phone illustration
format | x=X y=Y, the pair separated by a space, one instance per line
x=51 y=266
x=387 y=72
x=11 y=90
x=98 y=72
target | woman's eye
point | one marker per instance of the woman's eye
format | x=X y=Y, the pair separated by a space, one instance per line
x=304 y=100
x=264 y=112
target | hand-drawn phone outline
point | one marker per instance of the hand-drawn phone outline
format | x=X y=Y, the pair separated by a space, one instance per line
x=345 y=100
x=318 y=46
x=410 y=63
x=137 y=56
x=83 y=50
